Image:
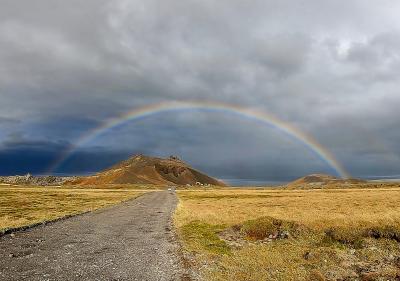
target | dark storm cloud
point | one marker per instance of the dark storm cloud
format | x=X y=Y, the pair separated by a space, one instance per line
x=36 y=159
x=330 y=68
x=20 y=156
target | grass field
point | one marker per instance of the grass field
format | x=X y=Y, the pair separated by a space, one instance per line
x=21 y=206
x=348 y=234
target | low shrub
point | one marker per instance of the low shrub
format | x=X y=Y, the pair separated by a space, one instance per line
x=265 y=227
x=354 y=236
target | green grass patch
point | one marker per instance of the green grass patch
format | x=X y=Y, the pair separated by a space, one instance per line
x=202 y=237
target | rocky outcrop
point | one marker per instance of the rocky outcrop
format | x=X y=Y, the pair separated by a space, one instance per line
x=28 y=179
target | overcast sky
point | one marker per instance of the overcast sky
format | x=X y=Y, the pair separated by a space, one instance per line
x=330 y=68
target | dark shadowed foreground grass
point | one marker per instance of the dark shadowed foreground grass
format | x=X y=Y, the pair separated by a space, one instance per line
x=253 y=235
x=22 y=206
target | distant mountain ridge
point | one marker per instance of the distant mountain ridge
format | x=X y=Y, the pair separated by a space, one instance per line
x=143 y=169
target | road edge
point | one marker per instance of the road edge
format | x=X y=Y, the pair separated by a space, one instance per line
x=11 y=230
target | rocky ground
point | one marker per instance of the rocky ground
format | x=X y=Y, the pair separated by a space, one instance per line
x=36 y=180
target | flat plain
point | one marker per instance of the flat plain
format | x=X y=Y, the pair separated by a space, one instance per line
x=250 y=234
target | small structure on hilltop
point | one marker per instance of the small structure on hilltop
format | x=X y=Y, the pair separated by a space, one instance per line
x=174 y=158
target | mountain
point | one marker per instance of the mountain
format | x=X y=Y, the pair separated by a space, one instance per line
x=320 y=180
x=150 y=170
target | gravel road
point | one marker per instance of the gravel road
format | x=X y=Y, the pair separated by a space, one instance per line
x=130 y=241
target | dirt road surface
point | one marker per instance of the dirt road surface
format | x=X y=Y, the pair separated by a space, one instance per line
x=129 y=241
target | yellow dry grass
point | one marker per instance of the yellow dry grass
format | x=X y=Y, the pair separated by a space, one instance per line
x=318 y=209
x=21 y=206
x=346 y=253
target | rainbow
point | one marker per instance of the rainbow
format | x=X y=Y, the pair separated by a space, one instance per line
x=261 y=116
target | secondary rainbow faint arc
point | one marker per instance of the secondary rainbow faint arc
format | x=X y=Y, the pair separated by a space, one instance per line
x=262 y=116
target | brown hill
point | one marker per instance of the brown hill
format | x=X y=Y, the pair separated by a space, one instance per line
x=150 y=170
x=322 y=180
x=314 y=178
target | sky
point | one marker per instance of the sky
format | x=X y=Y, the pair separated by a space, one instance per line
x=329 y=68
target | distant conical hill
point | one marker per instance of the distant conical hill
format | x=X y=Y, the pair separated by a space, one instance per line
x=150 y=170
x=318 y=180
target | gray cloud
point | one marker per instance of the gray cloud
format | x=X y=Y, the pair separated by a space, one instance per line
x=5 y=120
x=330 y=68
